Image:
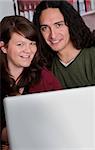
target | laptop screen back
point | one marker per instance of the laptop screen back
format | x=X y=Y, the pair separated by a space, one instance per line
x=59 y=120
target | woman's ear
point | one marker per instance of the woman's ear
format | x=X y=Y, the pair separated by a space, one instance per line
x=2 y=47
x=1 y=44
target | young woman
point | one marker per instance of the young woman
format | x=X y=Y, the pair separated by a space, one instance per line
x=22 y=64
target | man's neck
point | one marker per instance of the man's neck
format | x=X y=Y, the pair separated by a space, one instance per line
x=68 y=54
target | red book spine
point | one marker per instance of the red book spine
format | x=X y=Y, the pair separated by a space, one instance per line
x=88 y=5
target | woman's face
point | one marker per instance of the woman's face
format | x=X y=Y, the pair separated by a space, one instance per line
x=20 y=52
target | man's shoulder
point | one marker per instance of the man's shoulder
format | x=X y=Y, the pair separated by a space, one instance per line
x=91 y=49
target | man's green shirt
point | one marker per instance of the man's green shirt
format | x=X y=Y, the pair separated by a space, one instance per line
x=79 y=73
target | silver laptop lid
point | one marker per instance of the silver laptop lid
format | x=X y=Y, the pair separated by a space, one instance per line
x=59 y=120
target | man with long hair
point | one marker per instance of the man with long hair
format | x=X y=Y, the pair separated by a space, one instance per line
x=67 y=42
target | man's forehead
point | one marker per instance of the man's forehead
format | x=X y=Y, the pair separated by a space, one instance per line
x=51 y=16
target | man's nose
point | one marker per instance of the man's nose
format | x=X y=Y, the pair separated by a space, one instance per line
x=52 y=33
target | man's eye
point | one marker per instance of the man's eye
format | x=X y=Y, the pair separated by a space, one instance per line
x=60 y=24
x=44 y=28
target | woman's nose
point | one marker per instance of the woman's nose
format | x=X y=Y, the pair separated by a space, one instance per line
x=27 y=48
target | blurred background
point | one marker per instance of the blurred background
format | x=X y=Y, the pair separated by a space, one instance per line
x=86 y=8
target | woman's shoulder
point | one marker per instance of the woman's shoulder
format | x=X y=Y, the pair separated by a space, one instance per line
x=50 y=78
x=48 y=82
x=47 y=73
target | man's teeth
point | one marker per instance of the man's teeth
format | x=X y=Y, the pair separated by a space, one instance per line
x=54 y=42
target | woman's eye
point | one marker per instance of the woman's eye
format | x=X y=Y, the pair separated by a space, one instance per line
x=33 y=43
x=20 y=44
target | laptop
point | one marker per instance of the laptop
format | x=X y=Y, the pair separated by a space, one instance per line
x=56 y=120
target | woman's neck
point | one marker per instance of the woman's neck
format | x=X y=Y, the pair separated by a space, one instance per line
x=15 y=71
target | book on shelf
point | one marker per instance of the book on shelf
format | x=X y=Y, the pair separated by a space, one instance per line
x=75 y=4
x=83 y=6
x=92 y=4
x=87 y=5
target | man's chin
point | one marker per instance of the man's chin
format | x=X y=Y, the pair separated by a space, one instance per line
x=55 y=50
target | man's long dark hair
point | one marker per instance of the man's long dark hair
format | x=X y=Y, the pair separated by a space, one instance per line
x=80 y=34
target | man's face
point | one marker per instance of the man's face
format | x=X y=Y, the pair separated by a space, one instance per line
x=54 y=30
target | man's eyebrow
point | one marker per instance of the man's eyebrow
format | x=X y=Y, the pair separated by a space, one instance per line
x=62 y=21
x=43 y=25
x=59 y=22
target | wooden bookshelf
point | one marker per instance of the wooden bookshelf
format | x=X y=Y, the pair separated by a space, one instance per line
x=89 y=13
x=89 y=19
x=84 y=7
